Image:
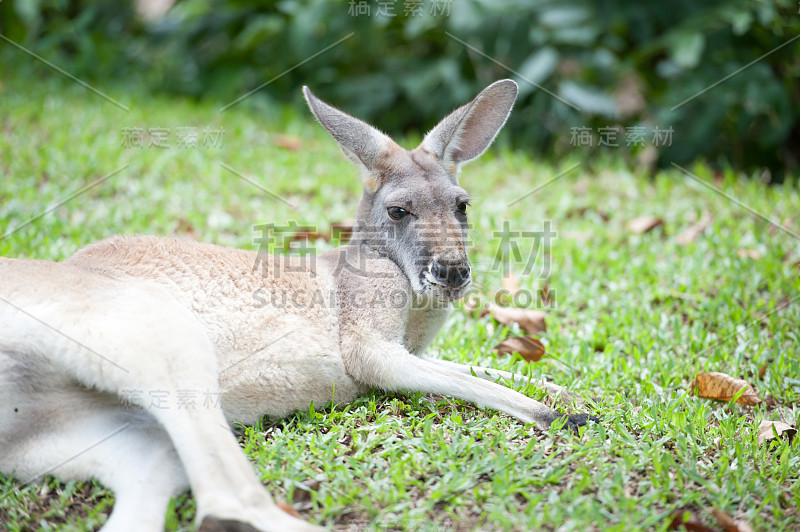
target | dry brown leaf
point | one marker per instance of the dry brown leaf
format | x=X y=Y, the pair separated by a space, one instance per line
x=304 y=495
x=545 y=295
x=791 y=261
x=728 y=523
x=680 y=520
x=765 y=432
x=306 y=234
x=286 y=507
x=530 y=321
x=342 y=232
x=577 y=212
x=288 y=142
x=786 y=223
x=531 y=349
x=185 y=227
x=644 y=224
x=511 y=284
x=580 y=212
x=762 y=371
x=693 y=231
x=749 y=254
x=720 y=386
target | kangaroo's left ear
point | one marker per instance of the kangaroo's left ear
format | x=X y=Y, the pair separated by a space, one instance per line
x=360 y=142
x=465 y=133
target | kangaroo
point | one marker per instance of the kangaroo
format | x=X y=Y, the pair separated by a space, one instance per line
x=86 y=342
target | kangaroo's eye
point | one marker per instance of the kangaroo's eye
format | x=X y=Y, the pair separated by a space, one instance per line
x=397 y=213
x=462 y=207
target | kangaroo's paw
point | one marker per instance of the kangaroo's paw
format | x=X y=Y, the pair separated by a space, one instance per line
x=211 y=524
x=575 y=421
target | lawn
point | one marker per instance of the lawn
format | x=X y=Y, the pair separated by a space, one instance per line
x=632 y=317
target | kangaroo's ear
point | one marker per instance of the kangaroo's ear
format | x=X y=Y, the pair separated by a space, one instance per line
x=465 y=133
x=360 y=142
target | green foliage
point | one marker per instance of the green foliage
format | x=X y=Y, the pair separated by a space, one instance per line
x=622 y=64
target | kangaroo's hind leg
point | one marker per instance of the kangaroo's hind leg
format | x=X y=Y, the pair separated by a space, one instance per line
x=114 y=337
x=61 y=429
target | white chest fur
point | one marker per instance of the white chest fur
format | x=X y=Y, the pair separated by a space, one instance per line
x=424 y=322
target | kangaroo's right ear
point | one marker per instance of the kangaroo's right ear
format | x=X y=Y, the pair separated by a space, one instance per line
x=465 y=133
x=360 y=142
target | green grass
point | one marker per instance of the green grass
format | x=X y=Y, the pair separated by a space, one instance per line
x=636 y=317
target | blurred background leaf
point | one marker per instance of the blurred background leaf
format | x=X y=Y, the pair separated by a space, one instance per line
x=621 y=64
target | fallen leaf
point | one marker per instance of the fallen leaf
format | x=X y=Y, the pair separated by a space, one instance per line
x=545 y=295
x=185 y=227
x=342 y=232
x=303 y=495
x=749 y=254
x=728 y=523
x=306 y=234
x=288 y=142
x=791 y=261
x=287 y=508
x=693 y=231
x=765 y=432
x=531 y=349
x=577 y=212
x=761 y=372
x=530 y=321
x=580 y=212
x=644 y=224
x=511 y=284
x=720 y=386
x=687 y=520
x=786 y=224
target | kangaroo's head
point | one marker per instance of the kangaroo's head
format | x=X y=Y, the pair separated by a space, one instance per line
x=412 y=209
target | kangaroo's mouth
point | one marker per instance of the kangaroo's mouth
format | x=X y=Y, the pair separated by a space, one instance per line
x=443 y=292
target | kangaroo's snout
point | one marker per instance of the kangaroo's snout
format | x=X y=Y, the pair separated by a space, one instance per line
x=450 y=273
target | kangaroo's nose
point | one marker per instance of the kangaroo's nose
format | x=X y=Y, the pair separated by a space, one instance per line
x=451 y=274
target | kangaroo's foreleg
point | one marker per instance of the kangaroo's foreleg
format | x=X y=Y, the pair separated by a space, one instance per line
x=491 y=374
x=391 y=367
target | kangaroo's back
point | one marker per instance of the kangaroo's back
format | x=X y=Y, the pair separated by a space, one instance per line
x=215 y=282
